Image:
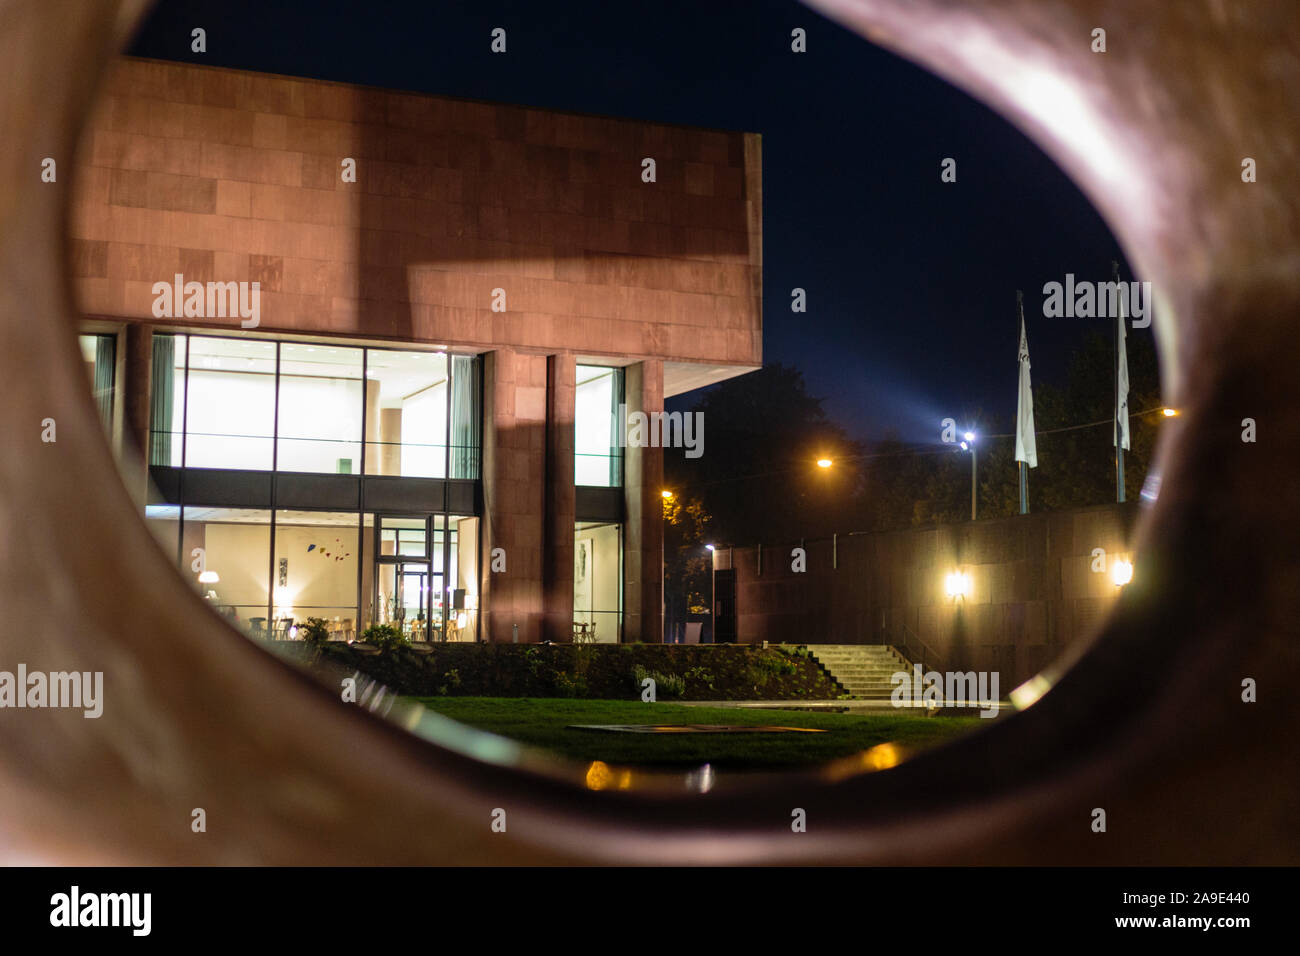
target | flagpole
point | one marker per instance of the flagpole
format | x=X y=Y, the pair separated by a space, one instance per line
x=1119 y=438
x=1023 y=466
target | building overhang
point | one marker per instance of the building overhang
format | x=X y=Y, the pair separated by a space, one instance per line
x=681 y=377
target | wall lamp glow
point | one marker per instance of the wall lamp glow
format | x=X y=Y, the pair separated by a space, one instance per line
x=1169 y=412
x=709 y=546
x=666 y=494
x=1121 y=572
x=957 y=585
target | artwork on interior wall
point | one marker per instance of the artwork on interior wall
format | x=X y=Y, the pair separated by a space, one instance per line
x=338 y=554
x=582 y=574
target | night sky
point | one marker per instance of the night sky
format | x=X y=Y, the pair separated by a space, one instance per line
x=911 y=282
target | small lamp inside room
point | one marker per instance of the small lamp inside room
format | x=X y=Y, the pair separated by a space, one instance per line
x=208 y=578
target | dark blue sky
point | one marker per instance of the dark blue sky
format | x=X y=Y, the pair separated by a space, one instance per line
x=911 y=282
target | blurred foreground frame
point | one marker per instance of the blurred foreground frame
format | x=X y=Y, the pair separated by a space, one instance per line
x=1147 y=722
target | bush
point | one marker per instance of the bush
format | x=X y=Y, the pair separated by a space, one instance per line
x=315 y=632
x=566 y=686
x=668 y=686
x=384 y=636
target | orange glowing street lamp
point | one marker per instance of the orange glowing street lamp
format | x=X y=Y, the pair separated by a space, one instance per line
x=824 y=462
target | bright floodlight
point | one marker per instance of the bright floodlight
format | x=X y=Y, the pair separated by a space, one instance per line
x=969 y=436
x=1169 y=412
x=709 y=546
x=957 y=585
x=1121 y=572
x=666 y=493
x=964 y=446
x=209 y=577
x=824 y=462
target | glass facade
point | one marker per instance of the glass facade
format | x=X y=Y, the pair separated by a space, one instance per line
x=269 y=572
x=597 y=582
x=259 y=405
x=598 y=451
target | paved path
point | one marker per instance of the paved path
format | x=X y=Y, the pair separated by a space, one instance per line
x=842 y=706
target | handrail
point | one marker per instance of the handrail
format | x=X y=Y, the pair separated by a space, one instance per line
x=918 y=651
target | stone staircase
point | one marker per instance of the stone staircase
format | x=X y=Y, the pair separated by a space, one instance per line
x=862 y=670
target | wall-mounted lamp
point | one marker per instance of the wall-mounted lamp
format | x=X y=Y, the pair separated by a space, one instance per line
x=1121 y=572
x=957 y=585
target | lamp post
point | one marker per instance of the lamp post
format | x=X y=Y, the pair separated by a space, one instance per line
x=667 y=496
x=969 y=445
x=713 y=597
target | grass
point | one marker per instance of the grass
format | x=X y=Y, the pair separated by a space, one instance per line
x=544 y=722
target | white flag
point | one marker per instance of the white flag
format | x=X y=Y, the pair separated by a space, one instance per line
x=1026 y=449
x=1121 y=386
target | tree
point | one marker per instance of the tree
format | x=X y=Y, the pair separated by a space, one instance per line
x=758 y=477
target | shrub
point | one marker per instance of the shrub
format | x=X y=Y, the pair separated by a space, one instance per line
x=384 y=636
x=566 y=686
x=668 y=686
x=315 y=632
x=768 y=664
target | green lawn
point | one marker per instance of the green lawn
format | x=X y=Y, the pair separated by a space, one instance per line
x=545 y=723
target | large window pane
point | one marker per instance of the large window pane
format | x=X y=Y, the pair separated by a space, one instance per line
x=99 y=354
x=406 y=413
x=226 y=552
x=462 y=579
x=597 y=582
x=316 y=561
x=466 y=419
x=167 y=400
x=230 y=418
x=320 y=409
x=598 y=456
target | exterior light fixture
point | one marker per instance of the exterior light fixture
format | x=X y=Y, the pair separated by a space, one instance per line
x=824 y=462
x=666 y=494
x=1169 y=412
x=209 y=577
x=709 y=546
x=969 y=436
x=957 y=585
x=1121 y=572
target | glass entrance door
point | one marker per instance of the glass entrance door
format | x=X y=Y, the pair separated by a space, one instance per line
x=425 y=576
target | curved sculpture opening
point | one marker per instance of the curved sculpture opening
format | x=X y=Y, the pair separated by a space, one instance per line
x=1027 y=780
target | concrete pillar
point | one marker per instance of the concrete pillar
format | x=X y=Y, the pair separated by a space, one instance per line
x=514 y=490
x=643 y=478
x=557 y=554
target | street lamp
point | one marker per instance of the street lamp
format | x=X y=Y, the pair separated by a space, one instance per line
x=666 y=495
x=969 y=445
x=713 y=597
x=824 y=462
